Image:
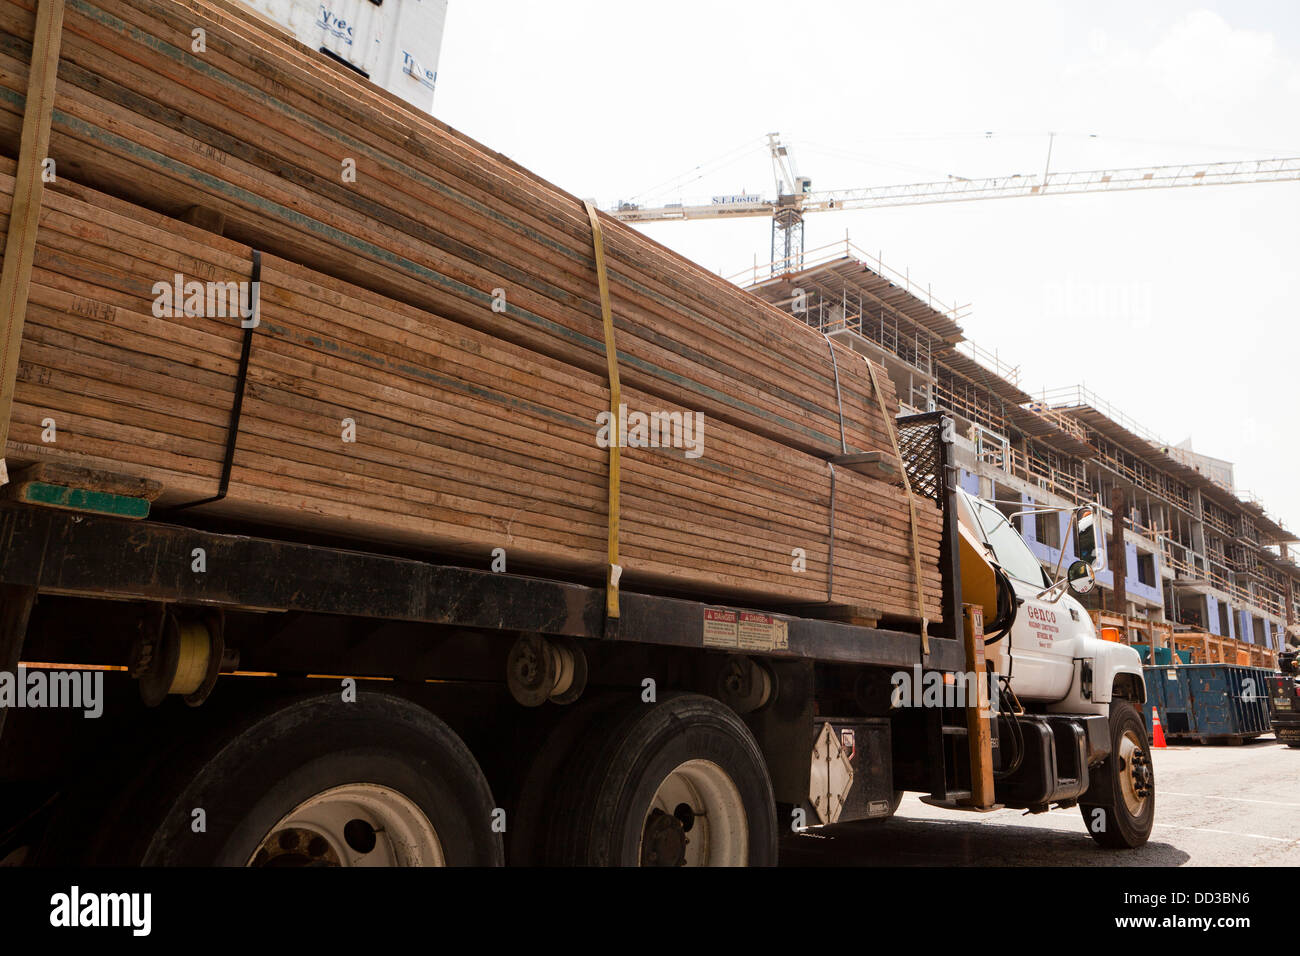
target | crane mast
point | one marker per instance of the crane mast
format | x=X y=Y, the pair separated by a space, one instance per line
x=787 y=211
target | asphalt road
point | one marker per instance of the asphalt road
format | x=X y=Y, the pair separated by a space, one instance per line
x=1215 y=806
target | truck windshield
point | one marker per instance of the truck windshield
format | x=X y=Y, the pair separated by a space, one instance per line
x=1008 y=547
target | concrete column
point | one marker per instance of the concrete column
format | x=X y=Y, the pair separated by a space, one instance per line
x=1198 y=524
x=1118 y=552
x=1289 y=590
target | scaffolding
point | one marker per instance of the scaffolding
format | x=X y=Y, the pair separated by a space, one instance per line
x=853 y=311
x=1071 y=443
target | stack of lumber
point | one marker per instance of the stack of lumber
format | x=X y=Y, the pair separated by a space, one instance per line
x=474 y=427
x=256 y=129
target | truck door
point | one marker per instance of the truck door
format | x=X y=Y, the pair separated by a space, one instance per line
x=1041 y=638
x=1042 y=642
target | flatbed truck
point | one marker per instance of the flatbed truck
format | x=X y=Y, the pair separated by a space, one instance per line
x=270 y=700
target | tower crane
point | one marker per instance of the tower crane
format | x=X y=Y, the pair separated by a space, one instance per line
x=795 y=197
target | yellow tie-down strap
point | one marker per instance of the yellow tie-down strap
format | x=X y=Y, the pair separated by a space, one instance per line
x=611 y=360
x=25 y=210
x=911 y=507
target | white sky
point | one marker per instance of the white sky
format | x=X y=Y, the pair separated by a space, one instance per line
x=1179 y=306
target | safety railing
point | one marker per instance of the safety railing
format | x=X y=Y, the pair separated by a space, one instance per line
x=990 y=360
x=1050 y=479
x=969 y=408
x=838 y=250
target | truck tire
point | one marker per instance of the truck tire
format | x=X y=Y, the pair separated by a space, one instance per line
x=1127 y=823
x=534 y=804
x=317 y=782
x=681 y=782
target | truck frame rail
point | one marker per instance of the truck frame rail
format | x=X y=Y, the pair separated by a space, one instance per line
x=91 y=556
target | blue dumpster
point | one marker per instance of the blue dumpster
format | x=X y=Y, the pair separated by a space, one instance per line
x=1163 y=655
x=1209 y=701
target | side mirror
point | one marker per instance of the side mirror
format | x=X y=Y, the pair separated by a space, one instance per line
x=1080 y=577
x=1089 y=545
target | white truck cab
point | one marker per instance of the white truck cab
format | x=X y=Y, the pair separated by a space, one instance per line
x=1075 y=699
x=1051 y=652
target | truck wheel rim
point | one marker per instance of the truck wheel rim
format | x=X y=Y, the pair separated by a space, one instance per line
x=357 y=824
x=1135 y=776
x=695 y=818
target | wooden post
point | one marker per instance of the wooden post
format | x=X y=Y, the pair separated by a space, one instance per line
x=979 y=734
x=1119 y=562
x=29 y=187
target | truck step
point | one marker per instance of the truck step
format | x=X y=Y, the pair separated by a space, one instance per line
x=958 y=800
x=950 y=800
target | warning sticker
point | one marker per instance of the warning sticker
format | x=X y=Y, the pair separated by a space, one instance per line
x=745 y=630
x=720 y=628
x=762 y=632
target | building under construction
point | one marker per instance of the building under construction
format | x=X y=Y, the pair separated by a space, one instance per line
x=1199 y=558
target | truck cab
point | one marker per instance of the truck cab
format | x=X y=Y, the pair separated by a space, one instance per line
x=1079 y=696
x=1050 y=634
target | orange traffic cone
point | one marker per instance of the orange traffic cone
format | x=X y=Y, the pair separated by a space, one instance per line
x=1158 y=732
